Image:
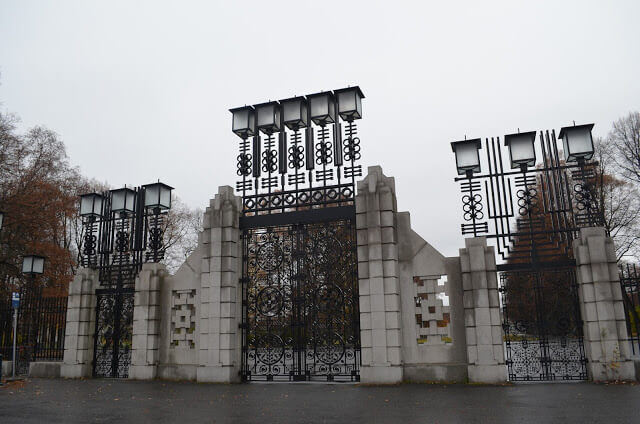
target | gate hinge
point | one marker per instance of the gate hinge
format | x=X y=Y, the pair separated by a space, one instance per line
x=242 y=325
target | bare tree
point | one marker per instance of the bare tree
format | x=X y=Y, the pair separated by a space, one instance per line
x=625 y=139
x=181 y=233
x=619 y=202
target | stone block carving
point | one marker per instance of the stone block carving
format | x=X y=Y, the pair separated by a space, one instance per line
x=183 y=319
x=432 y=315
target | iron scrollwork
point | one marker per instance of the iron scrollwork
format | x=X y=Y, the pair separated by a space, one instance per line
x=301 y=303
x=118 y=244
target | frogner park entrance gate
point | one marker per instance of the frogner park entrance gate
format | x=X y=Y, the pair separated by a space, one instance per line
x=300 y=317
x=533 y=232
x=307 y=271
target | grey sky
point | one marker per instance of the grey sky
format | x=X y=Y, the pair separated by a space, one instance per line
x=140 y=90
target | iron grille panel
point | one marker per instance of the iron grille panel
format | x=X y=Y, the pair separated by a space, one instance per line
x=542 y=325
x=630 y=285
x=300 y=301
x=114 y=322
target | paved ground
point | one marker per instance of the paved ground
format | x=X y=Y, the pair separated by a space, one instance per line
x=107 y=401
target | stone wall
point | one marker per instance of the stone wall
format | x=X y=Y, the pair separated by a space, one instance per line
x=483 y=322
x=81 y=325
x=605 y=329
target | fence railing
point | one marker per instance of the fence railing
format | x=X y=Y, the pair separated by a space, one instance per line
x=630 y=283
x=41 y=327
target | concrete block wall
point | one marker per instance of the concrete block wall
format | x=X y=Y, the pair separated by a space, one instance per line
x=220 y=296
x=146 y=322
x=605 y=330
x=81 y=325
x=483 y=324
x=378 y=279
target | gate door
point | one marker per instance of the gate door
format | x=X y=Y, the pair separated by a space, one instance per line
x=300 y=288
x=542 y=325
x=114 y=321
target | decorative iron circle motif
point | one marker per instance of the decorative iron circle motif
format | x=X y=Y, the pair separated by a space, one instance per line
x=472 y=207
x=296 y=157
x=244 y=164
x=329 y=298
x=584 y=196
x=155 y=238
x=323 y=153
x=122 y=240
x=270 y=256
x=270 y=301
x=329 y=348
x=270 y=349
x=526 y=200
x=269 y=160
x=90 y=244
x=352 y=149
x=326 y=249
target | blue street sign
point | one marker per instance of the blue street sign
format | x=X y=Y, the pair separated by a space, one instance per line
x=15 y=300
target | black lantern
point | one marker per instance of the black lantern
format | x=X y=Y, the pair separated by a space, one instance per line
x=243 y=121
x=157 y=196
x=349 y=103
x=467 y=156
x=1 y=219
x=32 y=264
x=294 y=112
x=322 y=106
x=522 y=150
x=123 y=200
x=268 y=117
x=91 y=205
x=577 y=142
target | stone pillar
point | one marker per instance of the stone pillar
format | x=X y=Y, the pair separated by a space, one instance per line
x=483 y=324
x=219 y=356
x=81 y=325
x=379 y=287
x=605 y=329
x=146 y=322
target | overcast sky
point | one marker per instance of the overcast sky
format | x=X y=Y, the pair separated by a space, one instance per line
x=139 y=90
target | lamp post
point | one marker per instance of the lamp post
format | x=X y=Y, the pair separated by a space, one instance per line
x=32 y=265
x=578 y=147
x=577 y=142
x=522 y=152
x=91 y=209
x=467 y=154
x=157 y=198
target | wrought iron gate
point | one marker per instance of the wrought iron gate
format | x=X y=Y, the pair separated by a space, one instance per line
x=542 y=325
x=299 y=278
x=301 y=303
x=122 y=230
x=534 y=211
x=114 y=322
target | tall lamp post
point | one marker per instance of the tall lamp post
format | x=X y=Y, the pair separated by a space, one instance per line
x=31 y=266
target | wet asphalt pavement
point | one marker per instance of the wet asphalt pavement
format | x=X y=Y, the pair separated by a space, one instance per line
x=121 y=401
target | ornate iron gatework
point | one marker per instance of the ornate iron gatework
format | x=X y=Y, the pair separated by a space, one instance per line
x=119 y=237
x=630 y=285
x=298 y=167
x=542 y=326
x=534 y=212
x=114 y=322
x=301 y=303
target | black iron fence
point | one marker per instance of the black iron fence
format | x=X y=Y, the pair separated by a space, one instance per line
x=41 y=328
x=630 y=283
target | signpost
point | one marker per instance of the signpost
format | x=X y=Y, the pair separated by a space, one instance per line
x=15 y=303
